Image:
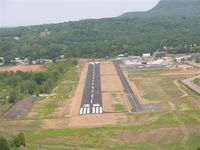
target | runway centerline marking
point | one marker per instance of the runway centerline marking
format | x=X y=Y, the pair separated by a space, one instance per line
x=92 y=91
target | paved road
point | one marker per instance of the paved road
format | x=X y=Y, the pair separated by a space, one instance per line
x=190 y=82
x=19 y=108
x=193 y=64
x=92 y=98
x=132 y=98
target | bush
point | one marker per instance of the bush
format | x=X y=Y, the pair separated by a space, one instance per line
x=12 y=97
x=4 y=144
x=18 y=140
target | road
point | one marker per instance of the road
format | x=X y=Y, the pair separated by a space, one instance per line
x=92 y=98
x=190 y=82
x=132 y=98
x=193 y=64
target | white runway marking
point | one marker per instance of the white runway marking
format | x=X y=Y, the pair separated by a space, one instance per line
x=97 y=110
x=100 y=110
x=81 y=111
x=93 y=110
x=88 y=110
x=84 y=110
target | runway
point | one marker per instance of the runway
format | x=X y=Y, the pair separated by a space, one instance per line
x=92 y=98
x=132 y=98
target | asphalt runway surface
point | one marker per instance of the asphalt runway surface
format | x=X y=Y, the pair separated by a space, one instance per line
x=92 y=98
x=132 y=98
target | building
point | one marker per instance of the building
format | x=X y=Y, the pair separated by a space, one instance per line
x=146 y=55
x=2 y=61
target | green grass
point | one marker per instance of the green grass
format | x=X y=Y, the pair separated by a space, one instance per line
x=197 y=81
x=66 y=84
x=47 y=110
x=132 y=136
x=119 y=107
x=158 y=88
x=137 y=137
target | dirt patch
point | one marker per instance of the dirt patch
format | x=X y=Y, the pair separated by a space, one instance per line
x=54 y=123
x=107 y=68
x=27 y=68
x=111 y=99
x=19 y=108
x=111 y=84
x=63 y=109
x=184 y=67
x=77 y=97
x=182 y=73
x=12 y=126
x=98 y=120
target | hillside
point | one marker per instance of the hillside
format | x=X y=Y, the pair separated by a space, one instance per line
x=107 y=37
x=170 y=8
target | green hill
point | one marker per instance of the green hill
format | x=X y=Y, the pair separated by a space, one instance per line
x=108 y=37
x=170 y=8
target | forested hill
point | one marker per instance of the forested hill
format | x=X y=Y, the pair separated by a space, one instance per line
x=170 y=8
x=103 y=37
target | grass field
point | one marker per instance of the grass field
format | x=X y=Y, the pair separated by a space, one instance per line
x=159 y=130
x=164 y=133
x=156 y=87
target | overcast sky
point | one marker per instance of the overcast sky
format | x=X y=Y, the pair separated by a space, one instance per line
x=31 y=12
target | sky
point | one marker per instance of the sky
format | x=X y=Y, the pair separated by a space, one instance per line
x=33 y=12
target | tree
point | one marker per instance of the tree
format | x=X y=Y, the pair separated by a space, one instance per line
x=4 y=145
x=18 y=140
x=197 y=60
x=22 y=138
x=12 y=97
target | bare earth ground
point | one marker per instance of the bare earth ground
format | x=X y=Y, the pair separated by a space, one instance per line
x=25 y=68
x=107 y=68
x=55 y=123
x=110 y=99
x=112 y=88
x=187 y=73
x=111 y=83
x=97 y=120
x=77 y=97
x=184 y=67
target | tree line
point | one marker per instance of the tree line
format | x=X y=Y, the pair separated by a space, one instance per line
x=101 y=38
x=18 y=84
x=12 y=141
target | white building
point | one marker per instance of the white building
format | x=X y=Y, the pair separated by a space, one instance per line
x=146 y=55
